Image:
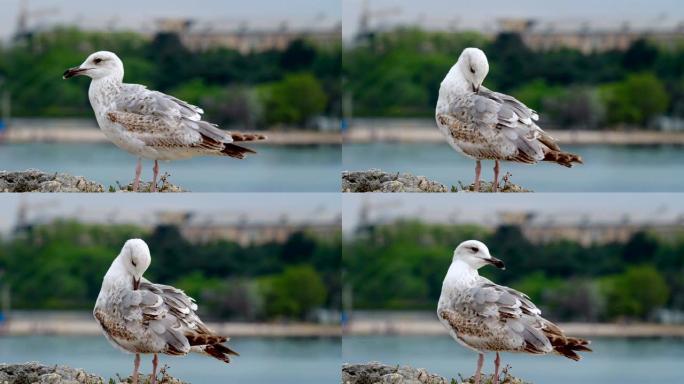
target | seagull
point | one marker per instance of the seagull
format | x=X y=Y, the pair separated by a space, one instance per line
x=150 y=124
x=483 y=124
x=486 y=317
x=138 y=316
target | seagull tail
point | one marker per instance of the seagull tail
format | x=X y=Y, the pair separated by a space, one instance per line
x=211 y=345
x=563 y=158
x=235 y=151
x=240 y=136
x=570 y=346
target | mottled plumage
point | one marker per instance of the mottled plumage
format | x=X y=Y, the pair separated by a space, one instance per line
x=150 y=124
x=486 y=317
x=487 y=125
x=138 y=316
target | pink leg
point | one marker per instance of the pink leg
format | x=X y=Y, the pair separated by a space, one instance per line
x=138 y=170
x=480 y=361
x=478 y=168
x=497 y=362
x=154 y=179
x=495 y=186
x=155 y=360
x=136 y=365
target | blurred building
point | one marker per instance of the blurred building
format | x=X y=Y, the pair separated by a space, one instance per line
x=587 y=230
x=203 y=36
x=585 y=39
x=202 y=229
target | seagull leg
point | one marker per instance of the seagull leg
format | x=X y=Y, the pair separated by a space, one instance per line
x=480 y=361
x=478 y=168
x=138 y=170
x=497 y=362
x=495 y=186
x=136 y=365
x=155 y=360
x=154 y=179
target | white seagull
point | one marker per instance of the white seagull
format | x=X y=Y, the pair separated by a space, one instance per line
x=138 y=316
x=486 y=317
x=151 y=124
x=483 y=124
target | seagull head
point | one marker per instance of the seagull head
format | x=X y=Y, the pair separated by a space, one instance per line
x=135 y=258
x=474 y=66
x=476 y=255
x=98 y=65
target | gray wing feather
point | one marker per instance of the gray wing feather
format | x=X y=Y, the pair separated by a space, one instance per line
x=513 y=310
x=172 y=115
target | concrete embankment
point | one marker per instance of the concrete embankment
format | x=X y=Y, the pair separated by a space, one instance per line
x=425 y=131
x=413 y=326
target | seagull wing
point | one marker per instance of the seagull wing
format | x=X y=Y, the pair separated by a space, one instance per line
x=505 y=307
x=160 y=120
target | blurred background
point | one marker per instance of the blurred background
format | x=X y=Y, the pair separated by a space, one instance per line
x=264 y=270
x=261 y=65
x=609 y=267
x=606 y=78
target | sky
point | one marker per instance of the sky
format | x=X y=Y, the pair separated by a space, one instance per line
x=484 y=210
x=138 y=14
x=483 y=14
x=143 y=209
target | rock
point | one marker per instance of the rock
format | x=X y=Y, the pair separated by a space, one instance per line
x=33 y=180
x=36 y=373
x=165 y=186
x=376 y=180
x=378 y=373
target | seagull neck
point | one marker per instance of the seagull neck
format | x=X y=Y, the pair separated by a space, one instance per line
x=454 y=81
x=103 y=90
x=460 y=273
x=117 y=275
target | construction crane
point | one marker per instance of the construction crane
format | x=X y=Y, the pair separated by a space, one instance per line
x=26 y=15
x=368 y=15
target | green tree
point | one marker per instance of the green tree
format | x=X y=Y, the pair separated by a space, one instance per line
x=636 y=293
x=635 y=100
x=293 y=293
x=293 y=100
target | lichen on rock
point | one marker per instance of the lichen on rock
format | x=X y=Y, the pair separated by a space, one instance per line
x=33 y=180
x=376 y=180
x=36 y=373
x=378 y=373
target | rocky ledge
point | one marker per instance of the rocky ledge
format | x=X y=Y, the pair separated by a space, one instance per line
x=376 y=180
x=33 y=180
x=36 y=373
x=378 y=373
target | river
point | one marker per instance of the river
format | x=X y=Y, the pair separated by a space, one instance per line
x=261 y=360
x=614 y=361
x=275 y=168
x=606 y=168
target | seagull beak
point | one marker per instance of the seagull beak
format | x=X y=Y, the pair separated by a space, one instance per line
x=496 y=262
x=136 y=283
x=75 y=71
x=476 y=88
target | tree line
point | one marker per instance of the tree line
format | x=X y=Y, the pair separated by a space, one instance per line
x=259 y=89
x=397 y=74
x=60 y=266
x=402 y=265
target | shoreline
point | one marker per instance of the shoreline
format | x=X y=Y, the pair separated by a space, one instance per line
x=94 y=135
x=87 y=327
x=425 y=131
x=413 y=327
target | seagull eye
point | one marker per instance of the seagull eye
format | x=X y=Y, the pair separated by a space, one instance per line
x=474 y=249
x=134 y=264
x=472 y=70
x=97 y=61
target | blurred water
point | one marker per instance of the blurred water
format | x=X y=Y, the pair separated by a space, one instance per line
x=607 y=168
x=291 y=168
x=261 y=360
x=614 y=361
